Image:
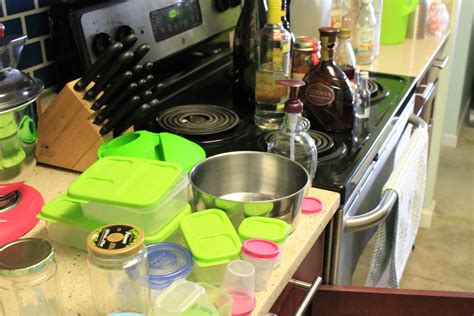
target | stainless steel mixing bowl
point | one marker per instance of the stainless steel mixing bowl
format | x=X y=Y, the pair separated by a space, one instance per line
x=247 y=183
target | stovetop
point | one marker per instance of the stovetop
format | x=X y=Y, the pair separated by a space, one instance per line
x=203 y=112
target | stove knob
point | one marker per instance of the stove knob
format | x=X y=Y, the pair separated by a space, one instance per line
x=100 y=42
x=122 y=32
x=222 y=5
x=235 y=3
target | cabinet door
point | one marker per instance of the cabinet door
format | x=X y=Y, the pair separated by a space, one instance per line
x=355 y=301
x=310 y=268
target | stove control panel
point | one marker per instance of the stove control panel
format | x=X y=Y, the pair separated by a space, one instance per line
x=169 y=26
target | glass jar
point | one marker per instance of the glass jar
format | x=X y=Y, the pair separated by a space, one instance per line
x=118 y=269
x=28 y=279
x=305 y=56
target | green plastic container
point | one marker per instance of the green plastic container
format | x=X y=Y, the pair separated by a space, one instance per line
x=67 y=225
x=395 y=16
x=272 y=229
x=163 y=146
x=141 y=192
x=213 y=242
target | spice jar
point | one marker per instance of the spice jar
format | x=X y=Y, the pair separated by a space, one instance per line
x=28 y=279
x=305 y=56
x=118 y=269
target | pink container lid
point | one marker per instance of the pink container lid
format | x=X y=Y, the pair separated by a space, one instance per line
x=260 y=249
x=311 y=205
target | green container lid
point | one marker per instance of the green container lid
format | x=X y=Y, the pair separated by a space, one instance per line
x=272 y=229
x=127 y=182
x=211 y=237
x=165 y=232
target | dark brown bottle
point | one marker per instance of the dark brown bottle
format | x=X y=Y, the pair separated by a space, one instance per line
x=327 y=95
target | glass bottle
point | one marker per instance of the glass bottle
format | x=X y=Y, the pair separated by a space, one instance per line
x=292 y=140
x=345 y=57
x=28 y=279
x=118 y=268
x=273 y=63
x=244 y=49
x=285 y=7
x=362 y=109
x=365 y=33
x=327 y=94
x=305 y=56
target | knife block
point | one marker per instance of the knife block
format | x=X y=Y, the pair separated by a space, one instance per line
x=67 y=138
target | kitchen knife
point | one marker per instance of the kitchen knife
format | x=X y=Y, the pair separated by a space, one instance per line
x=142 y=112
x=148 y=67
x=138 y=71
x=140 y=52
x=106 y=58
x=129 y=40
x=115 y=103
x=127 y=109
x=146 y=96
x=149 y=83
x=114 y=89
x=122 y=61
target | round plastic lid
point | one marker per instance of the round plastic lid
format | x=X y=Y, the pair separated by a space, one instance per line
x=260 y=249
x=167 y=263
x=311 y=205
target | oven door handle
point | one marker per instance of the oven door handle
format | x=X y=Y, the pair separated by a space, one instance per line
x=387 y=202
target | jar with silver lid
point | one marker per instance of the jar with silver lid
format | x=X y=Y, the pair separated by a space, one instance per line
x=28 y=279
x=118 y=269
x=306 y=55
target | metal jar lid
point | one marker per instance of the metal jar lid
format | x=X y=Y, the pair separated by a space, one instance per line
x=115 y=240
x=25 y=257
x=305 y=44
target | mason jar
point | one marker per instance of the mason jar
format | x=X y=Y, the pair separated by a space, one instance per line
x=28 y=279
x=118 y=269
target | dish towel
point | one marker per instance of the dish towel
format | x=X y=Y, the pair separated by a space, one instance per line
x=395 y=237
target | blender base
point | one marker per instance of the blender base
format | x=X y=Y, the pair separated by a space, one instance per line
x=21 y=218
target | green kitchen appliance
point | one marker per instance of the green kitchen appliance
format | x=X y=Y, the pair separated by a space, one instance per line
x=395 y=14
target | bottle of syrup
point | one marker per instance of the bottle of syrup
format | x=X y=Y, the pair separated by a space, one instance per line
x=327 y=95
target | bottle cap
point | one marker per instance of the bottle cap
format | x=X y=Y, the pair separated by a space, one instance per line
x=328 y=35
x=293 y=105
x=304 y=44
x=344 y=33
x=364 y=74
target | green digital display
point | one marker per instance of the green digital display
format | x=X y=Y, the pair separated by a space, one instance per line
x=173 y=13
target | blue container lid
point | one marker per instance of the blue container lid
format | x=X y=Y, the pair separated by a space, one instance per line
x=167 y=263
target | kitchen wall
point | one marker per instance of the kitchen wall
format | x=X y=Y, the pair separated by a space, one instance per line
x=459 y=89
x=30 y=17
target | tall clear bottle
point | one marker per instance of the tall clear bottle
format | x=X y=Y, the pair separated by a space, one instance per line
x=362 y=109
x=244 y=50
x=273 y=63
x=365 y=33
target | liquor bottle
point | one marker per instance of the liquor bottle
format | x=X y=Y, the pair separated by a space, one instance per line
x=365 y=33
x=273 y=63
x=345 y=57
x=285 y=7
x=327 y=95
x=244 y=50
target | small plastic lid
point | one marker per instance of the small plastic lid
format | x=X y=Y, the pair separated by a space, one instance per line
x=268 y=228
x=115 y=240
x=311 y=205
x=167 y=263
x=260 y=249
x=344 y=33
x=364 y=74
x=179 y=297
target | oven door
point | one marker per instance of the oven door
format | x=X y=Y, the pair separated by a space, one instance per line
x=359 y=219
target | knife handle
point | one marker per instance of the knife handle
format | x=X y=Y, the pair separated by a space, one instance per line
x=127 y=109
x=115 y=103
x=129 y=40
x=115 y=86
x=140 y=52
x=143 y=111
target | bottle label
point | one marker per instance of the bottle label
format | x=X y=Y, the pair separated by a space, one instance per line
x=320 y=94
x=365 y=42
x=115 y=237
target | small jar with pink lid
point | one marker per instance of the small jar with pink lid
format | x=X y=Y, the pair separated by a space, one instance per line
x=262 y=254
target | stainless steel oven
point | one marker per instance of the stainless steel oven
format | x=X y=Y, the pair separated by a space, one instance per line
x=356 y=222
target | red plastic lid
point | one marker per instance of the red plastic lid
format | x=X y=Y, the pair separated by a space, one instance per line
x=311 y=205
x=260 y=249
x=2 y=30
x=242 y=303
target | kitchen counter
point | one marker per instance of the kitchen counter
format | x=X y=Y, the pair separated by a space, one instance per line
x=411 y=58
x=74 y=275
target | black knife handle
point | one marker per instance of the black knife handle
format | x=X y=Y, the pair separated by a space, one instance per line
x=143 y=111
x=122 y=61
x=107 y=57
x=129 y=40
x=115 y=86
x=127 y=109
x=148 y=67
x=140 y=52
x=115 y=103
x=138 y=71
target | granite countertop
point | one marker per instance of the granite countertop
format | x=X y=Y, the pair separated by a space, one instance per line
x=74 y=274
x=411 y=58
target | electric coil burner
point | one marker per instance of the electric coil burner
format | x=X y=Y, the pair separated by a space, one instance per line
x=377 y=91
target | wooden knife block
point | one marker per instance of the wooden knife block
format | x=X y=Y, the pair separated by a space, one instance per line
x=67 y=138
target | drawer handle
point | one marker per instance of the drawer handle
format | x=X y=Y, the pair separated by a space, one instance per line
x=443 y=61
x=427 y=92
x=313 y=288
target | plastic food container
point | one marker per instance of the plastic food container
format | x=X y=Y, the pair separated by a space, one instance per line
x=167 y=263
x=67 y=225
x=213 y=242
x=262 y=254
x=141 y=192
x=272 y=229
x=239 y=282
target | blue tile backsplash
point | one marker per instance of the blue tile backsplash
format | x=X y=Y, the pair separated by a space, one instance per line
x=30 y=17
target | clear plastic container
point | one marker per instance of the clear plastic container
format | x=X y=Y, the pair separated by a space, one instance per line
x=118 y=269
x=262 y=254
x=239 y=282
x=28 y=279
